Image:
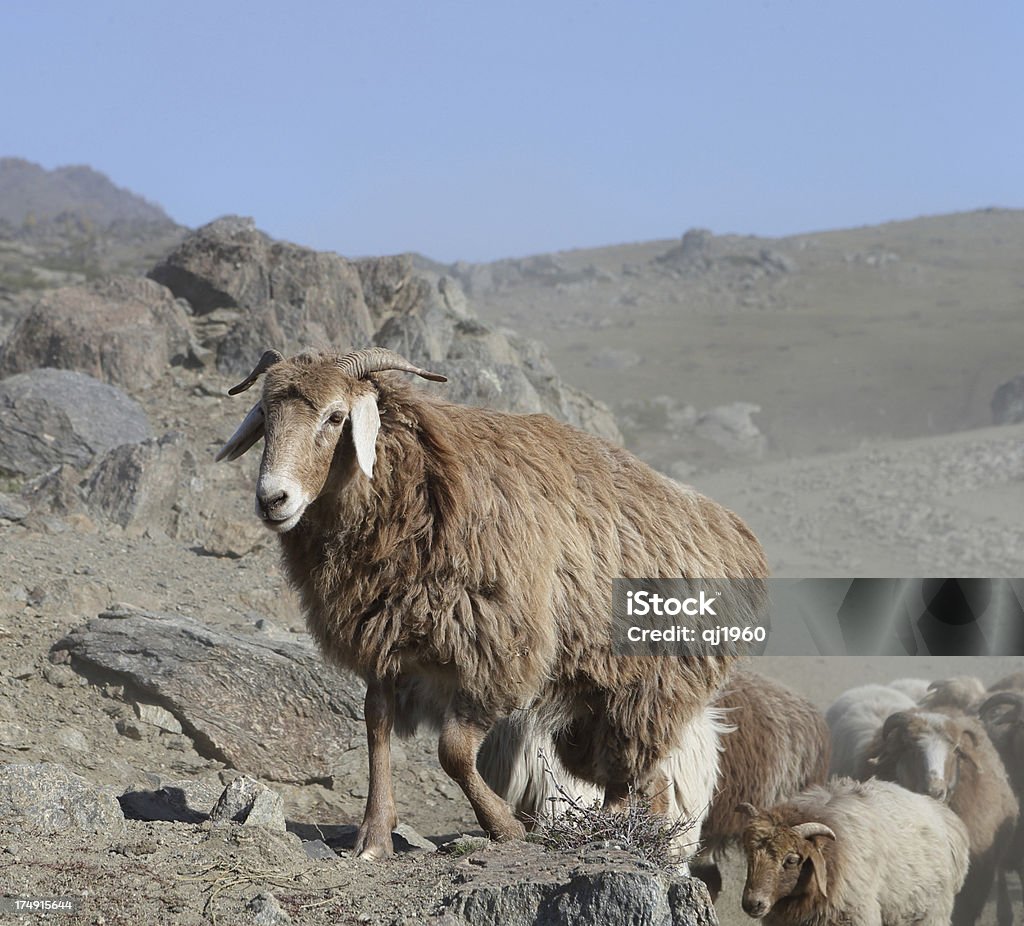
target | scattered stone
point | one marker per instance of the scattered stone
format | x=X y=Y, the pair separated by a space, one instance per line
x=72 y=738
x=266 y=911
x=157 y=716
x=414 y=842
x=61 y=676
x=253 y=701
x=1008 y=402
x=318 y=850
x=129 y=728
x=11 y=509
x=248 y=801
x=52 y=417
x=47 y=799
x=14 y=736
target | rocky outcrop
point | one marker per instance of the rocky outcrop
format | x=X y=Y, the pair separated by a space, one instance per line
x=122 y=330
x=522 y=885
x=249 y=292
x=52 y=417
x=268 y=706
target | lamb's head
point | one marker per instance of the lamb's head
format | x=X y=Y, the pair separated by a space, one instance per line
x=923 y=751
x=318 y=417
x=783 y=861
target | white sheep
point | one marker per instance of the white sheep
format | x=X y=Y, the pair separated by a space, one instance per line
x=854 y=854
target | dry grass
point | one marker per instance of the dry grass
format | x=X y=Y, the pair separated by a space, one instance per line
x=574 y=825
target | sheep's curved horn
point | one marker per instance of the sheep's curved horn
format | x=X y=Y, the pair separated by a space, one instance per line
x=898 y=721
x=1003 y=697
x=249 y=431
x=360 y=363
x=268 y=359
x=810 y=830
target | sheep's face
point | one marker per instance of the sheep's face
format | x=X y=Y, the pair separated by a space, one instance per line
x=319 y=425
x=784 y=863
x=922 y=752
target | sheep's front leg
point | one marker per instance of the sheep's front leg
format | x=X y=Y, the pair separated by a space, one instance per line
x=374 y=838
x=457 y=748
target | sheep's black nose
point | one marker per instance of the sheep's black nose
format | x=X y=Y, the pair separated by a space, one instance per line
x=755 y=906
x=271 y=501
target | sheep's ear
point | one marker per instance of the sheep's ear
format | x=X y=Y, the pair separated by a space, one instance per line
x=249 y=431
x=365 y=425
x=748 y=810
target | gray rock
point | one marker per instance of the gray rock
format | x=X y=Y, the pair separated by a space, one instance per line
x=50 y=417
x=266 y=911
x=121 y=330
x=526 y=887
x=11 y=509
x=318 y=850
x=1008 y=402
x=285 y=296
x=137 y=485
x=250 y=700
x=157 y=716
x=414 y=842
x=178 y=801
x=248 y=801
x=47 y=799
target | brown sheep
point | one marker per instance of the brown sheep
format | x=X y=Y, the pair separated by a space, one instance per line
x=854 y=854
x=1003 y=717
x=779 y=746
x=459 y=559
x=951 y=759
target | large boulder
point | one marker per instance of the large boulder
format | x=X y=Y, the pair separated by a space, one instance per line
x=249 y=292
x=266 y=705
x=121 y=330
x=52 y=417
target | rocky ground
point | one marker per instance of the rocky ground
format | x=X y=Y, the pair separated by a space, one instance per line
x=149 y=645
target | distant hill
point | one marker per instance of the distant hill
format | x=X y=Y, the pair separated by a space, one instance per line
x=29 y=194
x=65 y=226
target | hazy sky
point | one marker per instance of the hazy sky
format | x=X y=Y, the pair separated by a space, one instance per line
x=481 y=129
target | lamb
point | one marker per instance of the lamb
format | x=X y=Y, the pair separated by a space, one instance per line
x=951 y=759
x=855 y=718
x=1003 y=717
x=459 y=560
x=857 y=853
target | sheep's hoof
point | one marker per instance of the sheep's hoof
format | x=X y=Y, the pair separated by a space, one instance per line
x=373 y=842
x=509 y=831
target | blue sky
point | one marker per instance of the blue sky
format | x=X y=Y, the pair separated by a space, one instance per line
x=478 y=130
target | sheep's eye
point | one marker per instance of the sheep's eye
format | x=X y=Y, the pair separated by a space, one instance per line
x=791 y=860
x=336 y=417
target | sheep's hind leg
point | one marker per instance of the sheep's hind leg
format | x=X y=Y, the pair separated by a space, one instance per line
x=374 y=838
x=457 y=748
